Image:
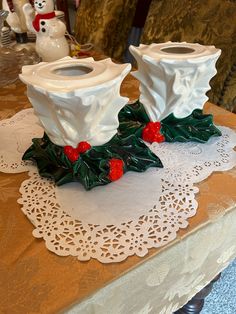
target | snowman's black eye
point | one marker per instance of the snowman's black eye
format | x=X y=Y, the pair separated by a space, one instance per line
x=43 y=30
x=42 y=23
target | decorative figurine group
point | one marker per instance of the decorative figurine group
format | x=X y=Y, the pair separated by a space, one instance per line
x=93 y=136
x=51 y=43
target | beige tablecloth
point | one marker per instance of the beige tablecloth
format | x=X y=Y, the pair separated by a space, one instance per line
x=34 y=280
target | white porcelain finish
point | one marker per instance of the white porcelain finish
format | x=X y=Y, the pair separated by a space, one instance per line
x=51 y=43
x=174 y=77
x=77 y=100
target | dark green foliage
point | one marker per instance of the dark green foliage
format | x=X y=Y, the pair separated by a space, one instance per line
x=133 y=119
x=197 y=126
x=92 y=167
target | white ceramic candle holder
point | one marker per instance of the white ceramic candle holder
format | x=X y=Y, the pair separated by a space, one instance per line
x=77 y=100
x=174 y=77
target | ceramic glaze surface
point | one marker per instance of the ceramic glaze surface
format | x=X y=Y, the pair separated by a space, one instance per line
x=174 y=77
x=77 y=100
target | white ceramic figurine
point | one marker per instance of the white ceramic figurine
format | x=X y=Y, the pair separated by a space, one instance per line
x=51 y=43
x=16 y=18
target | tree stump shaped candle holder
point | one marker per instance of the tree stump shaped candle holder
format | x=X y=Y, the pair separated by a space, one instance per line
x=78 y=102
x=174 y=79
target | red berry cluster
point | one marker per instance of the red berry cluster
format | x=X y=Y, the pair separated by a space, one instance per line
x=74 y=153
x=151 y=133
x=116 y=169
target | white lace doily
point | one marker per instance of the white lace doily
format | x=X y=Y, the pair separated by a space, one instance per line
x=16 y=137
x=126 y=217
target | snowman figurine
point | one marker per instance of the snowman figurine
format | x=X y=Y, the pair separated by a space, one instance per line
x=51 y=43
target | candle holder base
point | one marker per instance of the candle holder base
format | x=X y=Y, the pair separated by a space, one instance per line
x=198 y=127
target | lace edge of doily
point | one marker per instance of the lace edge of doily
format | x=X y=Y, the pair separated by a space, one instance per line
x=70 y=252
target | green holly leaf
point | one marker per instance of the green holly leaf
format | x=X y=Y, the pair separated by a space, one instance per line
x=134 y=153
x=50 y=159
x=92 y=167
x=196 y=127
x=132 y=119
x=90 y=174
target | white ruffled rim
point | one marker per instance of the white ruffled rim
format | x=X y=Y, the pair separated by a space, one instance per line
x=69 y=74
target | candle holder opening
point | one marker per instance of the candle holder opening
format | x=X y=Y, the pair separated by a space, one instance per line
x=178 y=50
x=74 y=70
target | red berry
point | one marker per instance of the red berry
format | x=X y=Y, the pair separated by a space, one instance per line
x=154 y=126
x=116 y=163
x=147 y=137
x=73 y=156
x=158 y=125
x=151 y=133
x=68 y=150
x=116 y=169
x=160 y=138
x=71 y=153
x=83 y=147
